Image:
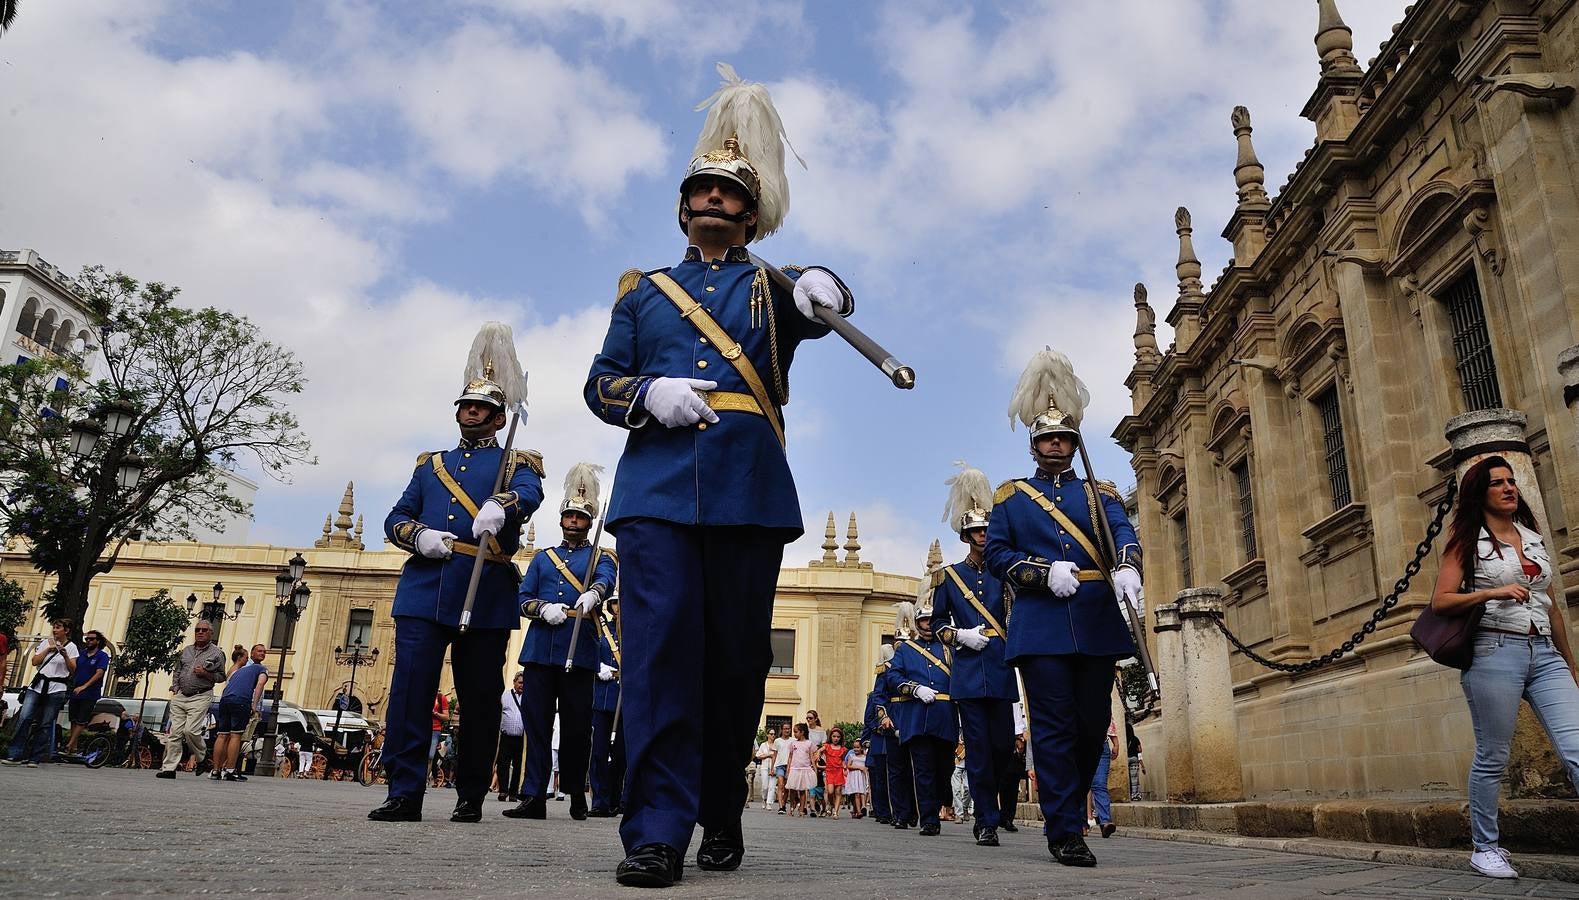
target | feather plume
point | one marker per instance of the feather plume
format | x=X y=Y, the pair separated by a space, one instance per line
x=495 y=345
x=1049 y=376
x=743 y=110
x=885 y=653
x=583 y=479
x=968 y=489
x=905 y=618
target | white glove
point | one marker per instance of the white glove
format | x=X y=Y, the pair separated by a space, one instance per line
x=553 y=613
x=924 y=693
x=675 y=403
x=605 y=672
x=435 y=544
x=815 y=286
x=586 y=602
x=1061 y=578
x=971 y=637
x=490 y=518
x=1126 y=581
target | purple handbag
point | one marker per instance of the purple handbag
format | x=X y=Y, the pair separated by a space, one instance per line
x=1449 y=640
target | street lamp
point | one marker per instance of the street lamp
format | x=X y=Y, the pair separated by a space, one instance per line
x=290 y=600
x=85 y=436
x=118 y=417
x=213 y=611
x=353 y=658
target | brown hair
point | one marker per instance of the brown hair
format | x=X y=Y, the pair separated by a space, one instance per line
x=1469 y=517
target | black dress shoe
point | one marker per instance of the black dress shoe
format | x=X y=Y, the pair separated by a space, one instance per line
x=599 y=812
x=931 y=830
x=901 y=825
x=398 y=809
x=721 y=850
x=1071 y=850
x=530 y=808
x=884 y=820
x=503 y=797
x=1008 y=825
x=467 y=811
x=650 y=865
x=578 y=806
x=987 y=837
x=1108 y=828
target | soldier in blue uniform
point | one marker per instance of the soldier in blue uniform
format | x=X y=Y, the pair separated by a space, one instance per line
x=446 y=499
x=1066 y=630
x=878 y=739
x=695 y=366
x=917 y=682
x=968 y=612
x=553 y=594
x=608 y=745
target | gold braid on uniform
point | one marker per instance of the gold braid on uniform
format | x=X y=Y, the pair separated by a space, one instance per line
x=761 y=292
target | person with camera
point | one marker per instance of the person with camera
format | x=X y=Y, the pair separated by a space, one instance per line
x=56 y=658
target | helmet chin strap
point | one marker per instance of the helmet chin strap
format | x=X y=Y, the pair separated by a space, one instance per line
x=1052 y=461
x=715 y=213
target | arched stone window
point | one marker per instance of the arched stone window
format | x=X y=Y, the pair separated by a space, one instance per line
x=63 y=336
x=29 y=319
x=45 y=330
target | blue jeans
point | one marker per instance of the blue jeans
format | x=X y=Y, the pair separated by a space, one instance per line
x=1099 y=794
x=38 y=715
x=1507 y=668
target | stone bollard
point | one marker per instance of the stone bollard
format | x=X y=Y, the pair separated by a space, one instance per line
x=1178 y=772
x=1533 y=767
x=1209 y=695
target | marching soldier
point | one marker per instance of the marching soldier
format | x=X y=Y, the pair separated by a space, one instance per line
x=1066 y=630
x=917 y=682
x=879 y=738
x=438 y=520
x=695 y=365
x=555 y=591
x=968 y=609
x=608 y=745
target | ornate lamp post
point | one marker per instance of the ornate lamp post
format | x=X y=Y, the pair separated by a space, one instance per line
x=119 y=470
x=353 y=658
x=291 y=595
x=213 y=611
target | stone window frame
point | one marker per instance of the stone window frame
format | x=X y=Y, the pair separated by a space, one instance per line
x=1172 y=498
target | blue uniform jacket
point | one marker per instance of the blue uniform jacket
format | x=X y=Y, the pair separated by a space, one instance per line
x=1023 y=538
x=435 y=589
x=908 y=669
x=872 y=721
x=547 y=644
x=606 y=694
x=730 y=473
x=978 y=674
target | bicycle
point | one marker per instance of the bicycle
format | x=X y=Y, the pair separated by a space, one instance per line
x=371 y=771
x=94 y=755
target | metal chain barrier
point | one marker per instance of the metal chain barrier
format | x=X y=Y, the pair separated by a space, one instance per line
x=1388 y=602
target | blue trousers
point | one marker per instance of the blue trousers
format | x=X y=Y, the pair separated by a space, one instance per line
x=477 y=662
x=608 y=762
x=877 y=773
x=988 y=725
x=697 y=603
x=1099 y=794
x=932 y=767
x=34 y=738
x=1069 y=698
x=549 y=688
x=901 y=785
x=1506 y=669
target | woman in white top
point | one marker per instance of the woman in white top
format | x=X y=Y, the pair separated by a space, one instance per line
x=764 y=756
x=781 y=749
x=42 y=701
x=1496 y=556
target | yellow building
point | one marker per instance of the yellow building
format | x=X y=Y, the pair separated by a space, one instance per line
x=829 y=619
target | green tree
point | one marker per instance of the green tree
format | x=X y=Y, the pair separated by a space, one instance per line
x=202 y=389
x=13 y=606
x=154 y=636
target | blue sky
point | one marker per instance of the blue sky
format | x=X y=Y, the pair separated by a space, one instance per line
x=371 y=181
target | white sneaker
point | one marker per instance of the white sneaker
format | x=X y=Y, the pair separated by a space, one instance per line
x=1492 y=863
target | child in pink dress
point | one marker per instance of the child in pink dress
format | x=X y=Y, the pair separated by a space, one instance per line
x=802 y=776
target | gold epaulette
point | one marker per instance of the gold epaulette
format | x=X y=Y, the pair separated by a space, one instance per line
x=422 y=458
x=1003 y=491
x=609 y=552
x=628 y=282
x=1109 y=488
x=531 y=459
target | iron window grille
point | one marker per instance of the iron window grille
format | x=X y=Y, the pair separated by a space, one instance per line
x=1247 y=509
x=1477 y=369
x=1181 y=530
x=1336 y=455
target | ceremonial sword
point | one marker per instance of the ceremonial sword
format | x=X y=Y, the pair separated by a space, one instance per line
x=900 y=374
x=592 y=569
x=482 y=542
x=1111 y=545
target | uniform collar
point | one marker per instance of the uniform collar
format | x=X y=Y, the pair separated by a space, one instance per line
x=1067 y=476
x=972 y=566
x=735 y=254
x=479 y=444
x=568 y=546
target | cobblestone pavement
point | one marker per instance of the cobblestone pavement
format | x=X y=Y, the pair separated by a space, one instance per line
x=73 y=831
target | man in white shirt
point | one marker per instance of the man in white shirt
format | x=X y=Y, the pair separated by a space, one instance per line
x=56 y=658
x=507 y=762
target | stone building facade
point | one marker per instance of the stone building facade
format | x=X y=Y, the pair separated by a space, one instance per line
x=1290 y=445
x=830 y=616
